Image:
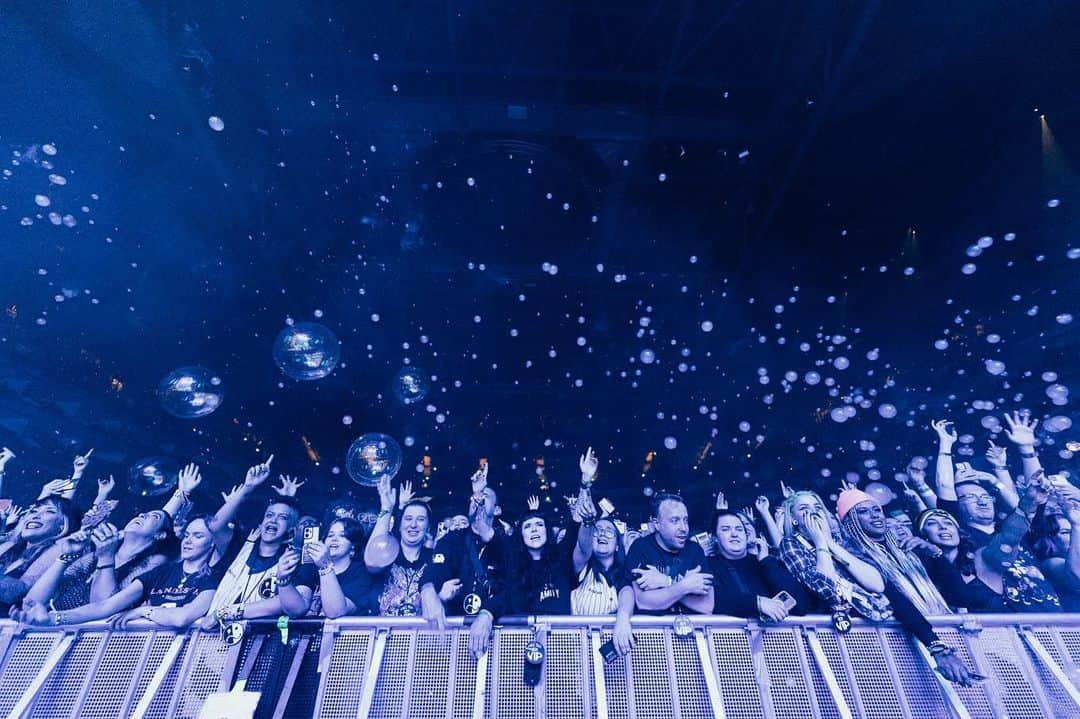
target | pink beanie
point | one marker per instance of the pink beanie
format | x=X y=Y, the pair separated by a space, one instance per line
x=848 y=499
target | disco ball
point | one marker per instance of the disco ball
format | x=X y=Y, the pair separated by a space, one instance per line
x=306 y=351
x=371 y=456
x=153 y=476
x=190 y=392
x=410 y=385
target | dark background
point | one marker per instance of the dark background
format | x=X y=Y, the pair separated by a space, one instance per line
x=879 y=136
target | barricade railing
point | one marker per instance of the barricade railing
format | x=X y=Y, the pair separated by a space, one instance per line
x=389 y=667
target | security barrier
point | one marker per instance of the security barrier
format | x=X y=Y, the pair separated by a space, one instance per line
x=723 y=667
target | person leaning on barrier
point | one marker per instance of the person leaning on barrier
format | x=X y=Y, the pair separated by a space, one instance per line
x=470 y=567
x=666 y=571
x=847 y=584
x=398 y=566
x=745 y=585
x=248 y=588
x=334 y=583
x=172 y=595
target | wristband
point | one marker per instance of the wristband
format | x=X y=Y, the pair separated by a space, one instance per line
x=383 y=513
x=328 y=569
x=487 y=612
x=68 y=557
x=938 y=647
x=944 y=454
x=57 y=617
x=285 y=581
x=105 y=566
x=822 y=549
x=1027 y=455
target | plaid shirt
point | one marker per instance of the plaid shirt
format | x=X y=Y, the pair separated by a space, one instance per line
x=800 y=557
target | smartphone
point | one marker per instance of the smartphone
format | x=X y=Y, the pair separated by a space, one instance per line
x=608 y=651
x=787 y=599
x=644 y=527
x=706 y=541
x=311 y=535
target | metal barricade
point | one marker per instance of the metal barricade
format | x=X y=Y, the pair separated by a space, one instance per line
x=400 y=668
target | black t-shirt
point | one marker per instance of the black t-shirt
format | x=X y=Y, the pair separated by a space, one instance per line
x=398 y=585
x=169 y=585
x=646 y=551
x=543 y=586
x=737 y=583
x=481 y=568
x=356 y=584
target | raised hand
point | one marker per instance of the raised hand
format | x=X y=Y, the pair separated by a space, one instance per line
x=233 y=494
x=761 y=504
x=996 y=456
x=918 y=475
x=74 y=542
x=386 y=494
x=721 y=502
x=189 y=479
x=1021 y=429
x=747 y=515
x=78 y=465
x=405 y=494
x=786 y=490
x=5 y=456
x=318 y=554
x=1038 y=490
x=584 y=508
x=846 y=484
x=105 y=486
x=588 y=464
x=479 y=479
x=533 y=503
x=258 y=473
x=61 y=487
x=289 y=485
x=946 y=436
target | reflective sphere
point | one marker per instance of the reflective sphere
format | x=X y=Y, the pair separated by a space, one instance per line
x=410 y=385
x=190 y=392
x=371 y=456
x=307 y=351
x=881 y=492
x=384 y=549
x=153 y=476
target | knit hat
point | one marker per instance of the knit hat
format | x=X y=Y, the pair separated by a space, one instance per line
x=848 y=499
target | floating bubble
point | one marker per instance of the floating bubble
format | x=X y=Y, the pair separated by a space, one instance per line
x=152 y=477
x=744 y=426
x=1057 y=423
x=838 y=415
x=1057 y=391
x=1073 y=253
x=812 y=377
x=671 y=442
x=991 y=423
x=941 y=344
x=307 y=351
x=42 y=200
x=968 y=269
x=371 y=456
x=1049 y=376
x=647 y=356
x=346 y=420
x=985 y=242
x=887 y=411
x=995 y=367
x=1064 y=319
x=410 y=385
x=841 y=363
x=706 y=326
x=190 y=392
x=993 y=338
x=1053 y=203
x=216 y=123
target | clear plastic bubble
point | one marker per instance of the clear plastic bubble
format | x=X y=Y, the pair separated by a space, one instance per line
x=647 y=356
x=995 y=367
x=812 y=377
x=968 y=269
x=991 y=423
x=371 y=456
x=1057 y=391
x=744 y=426
x=671 y=442
x=216 y=123
x=153 y=477
x=1049 y=376
x=838 y=415
x=841 y=363
x=993 y=338
x=307 y=351
x=887 y=411
x=190 y=392
x=1064 y=318
x=1058 y=423
x=706 y=326
x=941 y=344
x=411 y=385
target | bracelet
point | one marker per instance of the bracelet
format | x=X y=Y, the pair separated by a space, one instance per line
x=1027 y=455
x=69 y=557
x=383 y=513
x=944 y=454
x=823 y=549
x=105 y=566
x=328 y=569
x=285 y=581
x=938 y=647
x=57 y=617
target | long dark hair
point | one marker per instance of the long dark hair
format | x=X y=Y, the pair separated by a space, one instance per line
x=530 y=574
x=618 y=561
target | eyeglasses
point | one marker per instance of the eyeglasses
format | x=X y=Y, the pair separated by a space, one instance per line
x=977 y=499
x=604 y=533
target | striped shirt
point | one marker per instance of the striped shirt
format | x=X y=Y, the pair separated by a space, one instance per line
x=594 y=595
